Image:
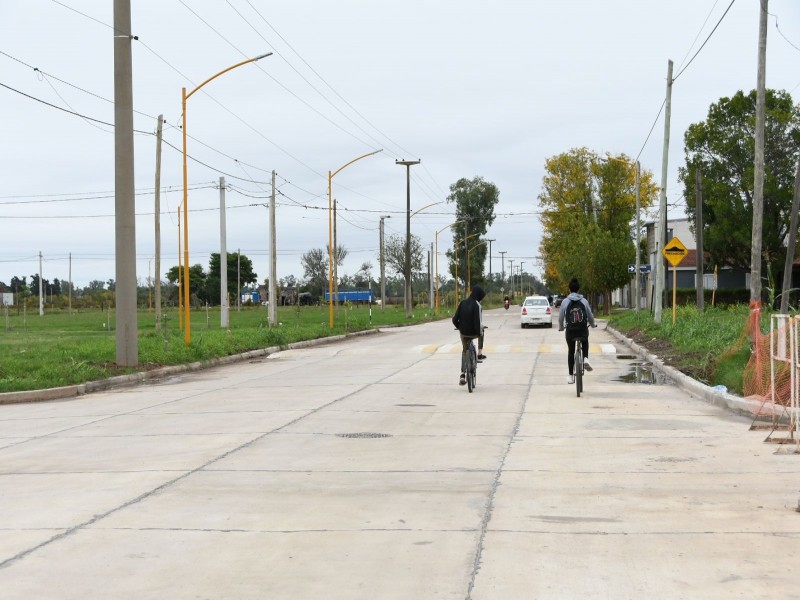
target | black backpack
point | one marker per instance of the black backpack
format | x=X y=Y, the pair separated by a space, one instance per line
x=576 y=318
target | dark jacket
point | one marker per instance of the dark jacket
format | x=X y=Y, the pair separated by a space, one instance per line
x=467 y=318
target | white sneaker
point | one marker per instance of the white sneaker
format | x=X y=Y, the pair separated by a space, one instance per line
x=587 y=366
x=570 y=379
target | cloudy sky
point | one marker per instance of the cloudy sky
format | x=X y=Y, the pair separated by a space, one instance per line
x=488 y=89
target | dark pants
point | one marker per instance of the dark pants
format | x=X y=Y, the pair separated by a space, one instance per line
x=465 y=340
x=572 y=337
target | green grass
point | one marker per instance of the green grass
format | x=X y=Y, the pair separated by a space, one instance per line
x=707 y=345
x=59 y=349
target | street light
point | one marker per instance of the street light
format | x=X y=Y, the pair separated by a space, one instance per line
x=407 y=269
x=436 y=311
x=184 y=98
x=331 y=249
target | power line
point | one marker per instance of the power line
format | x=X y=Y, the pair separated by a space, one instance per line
x=705 y=42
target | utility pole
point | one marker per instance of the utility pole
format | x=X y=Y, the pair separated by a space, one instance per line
x=407 y=271
x=224 y=314
x=159 y=130
x=521 y=281
x=490 y=264
x=791 y=245
x=698 y=227
x=127 y=340
x=661 y=230
x=383 y=264
x=758 y=185
x=511 y=271
x=70 y=280
x=503 y=266
x=41 y=297
x=238 y=279
x=638 y=285
x=273 y=261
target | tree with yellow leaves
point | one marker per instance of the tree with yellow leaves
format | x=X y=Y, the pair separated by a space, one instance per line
x=589 y=219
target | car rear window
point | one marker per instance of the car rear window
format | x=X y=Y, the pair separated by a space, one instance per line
x=536 y=302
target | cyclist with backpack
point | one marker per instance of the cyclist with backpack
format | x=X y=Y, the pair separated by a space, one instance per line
x=575 y=315
x=467 y=319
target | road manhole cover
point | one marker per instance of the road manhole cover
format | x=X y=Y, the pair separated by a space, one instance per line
x=364 y=434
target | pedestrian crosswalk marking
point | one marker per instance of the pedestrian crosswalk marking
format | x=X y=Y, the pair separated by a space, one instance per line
x=511 y=349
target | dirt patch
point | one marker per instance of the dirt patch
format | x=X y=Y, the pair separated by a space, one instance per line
x=697 y=365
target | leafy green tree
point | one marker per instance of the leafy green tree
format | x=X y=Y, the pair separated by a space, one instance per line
x=723 y=147
x=240 y=269
x=588 y=217
x=197 y=280
x=475 y=200
x=315 y=270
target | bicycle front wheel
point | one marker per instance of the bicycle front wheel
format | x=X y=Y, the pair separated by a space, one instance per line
x=578 y=370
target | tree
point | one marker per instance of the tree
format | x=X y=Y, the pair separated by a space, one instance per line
x=315 y=270
x=394 y=254
x=723 y=147
x=475 y=200
x=589 y=218
x=362 y=277
x=197 y=280
x=240 y=270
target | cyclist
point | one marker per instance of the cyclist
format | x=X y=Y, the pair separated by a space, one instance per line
x=467 y=319
x=578 y=320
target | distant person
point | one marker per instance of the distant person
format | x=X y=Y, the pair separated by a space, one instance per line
x=467 y=319
x=577 y=314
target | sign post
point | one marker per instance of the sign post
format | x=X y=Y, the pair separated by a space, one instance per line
x=674 y=252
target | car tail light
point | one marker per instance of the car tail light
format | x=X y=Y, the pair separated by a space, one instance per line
x=547 y=311
x=524 y=311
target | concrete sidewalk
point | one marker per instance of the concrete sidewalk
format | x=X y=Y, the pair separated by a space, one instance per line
x=360 y=469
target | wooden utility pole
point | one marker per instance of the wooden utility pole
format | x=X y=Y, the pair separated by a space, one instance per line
x=698 y=227
x=791 y=245
x=383 y=266
x=158 y=221
x=662 y=205
x=758 y=185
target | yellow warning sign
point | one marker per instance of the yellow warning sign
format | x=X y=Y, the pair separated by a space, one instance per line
x=675 y=252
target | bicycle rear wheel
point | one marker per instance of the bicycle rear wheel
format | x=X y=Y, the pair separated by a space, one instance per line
x=472 y=365
x=578 y=369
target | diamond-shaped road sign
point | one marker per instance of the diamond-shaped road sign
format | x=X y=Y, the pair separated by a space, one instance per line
x=675 y=252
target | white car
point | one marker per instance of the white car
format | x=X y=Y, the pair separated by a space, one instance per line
x=536 y=311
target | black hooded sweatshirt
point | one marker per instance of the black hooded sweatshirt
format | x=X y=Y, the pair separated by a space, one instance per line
x=467 y=318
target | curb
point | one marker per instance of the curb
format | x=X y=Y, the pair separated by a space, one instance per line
x=735 y=404
x=70 y=391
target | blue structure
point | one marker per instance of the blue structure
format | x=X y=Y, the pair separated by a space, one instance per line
x=352 y=296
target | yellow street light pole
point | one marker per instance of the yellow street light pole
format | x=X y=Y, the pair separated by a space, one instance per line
x=331 y=249
x=419 y=210
x=436 y=310
x=184 y=98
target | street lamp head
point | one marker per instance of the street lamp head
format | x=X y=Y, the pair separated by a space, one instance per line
x=262 y=56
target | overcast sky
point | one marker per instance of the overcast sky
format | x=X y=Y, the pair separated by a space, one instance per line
x=471 y=88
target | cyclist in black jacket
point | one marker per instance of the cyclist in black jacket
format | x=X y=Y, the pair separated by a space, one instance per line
x=467 y=319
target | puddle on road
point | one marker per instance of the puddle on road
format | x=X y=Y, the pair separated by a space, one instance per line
x=643 y=372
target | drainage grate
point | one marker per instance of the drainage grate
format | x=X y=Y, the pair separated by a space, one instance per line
x=626 y=356
x=363 y=434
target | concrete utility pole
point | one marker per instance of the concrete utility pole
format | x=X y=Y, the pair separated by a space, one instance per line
x=503 y=266
x=407 y=270
x=70 y=281
x=758 y=185
x=791 y=245
x=383 y=264
x=638 y=286
x=698 y=227
x=521 y=280
x=273 y=261
x=224 y=313
x=127 y=340
x=511 y=278
x=159 y=130
x=490 y=264
x=661 y=230
x=41 y=296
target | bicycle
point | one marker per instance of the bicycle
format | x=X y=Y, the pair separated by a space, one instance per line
x=472 y=364
x=578 y=369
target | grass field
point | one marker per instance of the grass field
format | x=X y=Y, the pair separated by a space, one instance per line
x=59 y=348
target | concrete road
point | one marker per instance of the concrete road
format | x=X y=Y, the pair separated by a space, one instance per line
x=362 y=470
